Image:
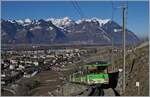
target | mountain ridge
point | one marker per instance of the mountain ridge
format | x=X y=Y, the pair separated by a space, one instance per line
x=63 y=31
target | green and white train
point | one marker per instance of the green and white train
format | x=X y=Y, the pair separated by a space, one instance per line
x=92 y=73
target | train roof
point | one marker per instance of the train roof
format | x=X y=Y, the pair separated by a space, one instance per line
x=98 y=63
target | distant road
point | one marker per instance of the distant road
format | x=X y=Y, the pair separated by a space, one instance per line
x=46 y=46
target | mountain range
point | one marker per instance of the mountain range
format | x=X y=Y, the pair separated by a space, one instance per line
x=64 y=31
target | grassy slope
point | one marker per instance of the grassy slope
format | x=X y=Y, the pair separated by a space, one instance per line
x=137 y=69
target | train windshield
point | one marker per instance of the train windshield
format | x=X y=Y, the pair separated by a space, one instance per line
x=97 y=69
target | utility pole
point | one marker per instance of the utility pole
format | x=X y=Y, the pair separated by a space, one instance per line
x=124 y=46
x=123 y=8
x=112 y=50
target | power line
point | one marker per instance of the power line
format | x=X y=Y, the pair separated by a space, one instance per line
x=77 y=8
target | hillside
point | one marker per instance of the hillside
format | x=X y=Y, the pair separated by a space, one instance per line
x=137 y=70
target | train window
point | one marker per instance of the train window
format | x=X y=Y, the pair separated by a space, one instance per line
x=101 y=68
x=98 y=69
x=92 y=71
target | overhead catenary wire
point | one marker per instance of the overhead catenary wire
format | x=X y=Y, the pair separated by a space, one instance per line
x=78 y=9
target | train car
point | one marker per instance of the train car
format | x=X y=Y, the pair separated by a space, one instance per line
x=92 y=73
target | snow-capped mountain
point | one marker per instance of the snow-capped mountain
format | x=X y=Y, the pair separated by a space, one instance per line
x=20 y=22
x=100 y=21
x=66 y=30
x=27 y=21
x=61 y=22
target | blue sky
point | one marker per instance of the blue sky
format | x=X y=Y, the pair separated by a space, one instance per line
x=137 y=16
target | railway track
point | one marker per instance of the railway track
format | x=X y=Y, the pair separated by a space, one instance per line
x=96 y=91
